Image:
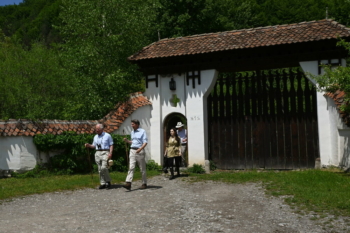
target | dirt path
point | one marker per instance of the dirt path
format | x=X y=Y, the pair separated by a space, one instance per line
x=166 y=206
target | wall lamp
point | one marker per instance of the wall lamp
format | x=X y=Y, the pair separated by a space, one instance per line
x=172 y=84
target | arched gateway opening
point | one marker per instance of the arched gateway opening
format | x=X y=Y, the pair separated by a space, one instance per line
x=170 y=122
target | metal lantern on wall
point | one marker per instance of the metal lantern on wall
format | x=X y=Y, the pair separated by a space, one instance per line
x=172 y=84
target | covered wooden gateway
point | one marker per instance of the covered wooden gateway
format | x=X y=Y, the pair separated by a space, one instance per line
x=261 y=111
x=263 y=119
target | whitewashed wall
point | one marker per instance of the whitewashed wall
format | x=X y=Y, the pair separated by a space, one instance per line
x=333 y=134
x=20 y=154
x=192 y=105
x=340 y=136
x=143 y=114
x=17 y=153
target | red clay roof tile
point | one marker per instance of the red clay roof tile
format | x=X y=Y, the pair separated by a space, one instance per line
x=338 y=97
x=247 y=38
x=23 y=127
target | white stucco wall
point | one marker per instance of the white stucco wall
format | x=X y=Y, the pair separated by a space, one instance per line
x=17 y=153
x=142 y=114
x=332 y=145
x=192 y=105
x=340 y=135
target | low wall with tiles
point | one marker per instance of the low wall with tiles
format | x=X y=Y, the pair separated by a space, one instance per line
x=17 y=154
x=340 y=137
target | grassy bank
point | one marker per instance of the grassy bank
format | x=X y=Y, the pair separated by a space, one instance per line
x=322 y=191
x=16 y=187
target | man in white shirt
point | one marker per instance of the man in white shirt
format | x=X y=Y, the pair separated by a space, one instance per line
x=182 y=133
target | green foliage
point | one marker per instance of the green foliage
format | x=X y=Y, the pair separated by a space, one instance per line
x=119 y=165
x=212 y=165
x=31 y=21
x=196 y=168
x=98 y=37
x=152 y=165
x=67 y=59
x=37 y=172
x=72 y=156
x=336 y=78
x=190 y=17
x=31 y=83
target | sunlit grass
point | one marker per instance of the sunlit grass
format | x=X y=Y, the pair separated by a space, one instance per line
x=16 y=187
x=315 y=190
x=322 y=191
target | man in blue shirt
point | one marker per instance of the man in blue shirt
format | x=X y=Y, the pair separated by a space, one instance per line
x=137 y=154
x=103 y=143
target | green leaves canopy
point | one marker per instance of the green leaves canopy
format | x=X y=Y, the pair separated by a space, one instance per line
x=99 y=36
x=31 y=83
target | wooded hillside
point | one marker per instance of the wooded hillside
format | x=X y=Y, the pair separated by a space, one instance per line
x=66 y=59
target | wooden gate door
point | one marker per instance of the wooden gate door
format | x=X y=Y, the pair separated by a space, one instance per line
x=263 y=119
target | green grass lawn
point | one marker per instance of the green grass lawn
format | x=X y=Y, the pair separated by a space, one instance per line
x=16 y=187
x=323 y=191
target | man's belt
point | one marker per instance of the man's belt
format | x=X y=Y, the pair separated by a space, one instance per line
x=134 y=148
x=103 y=150
x=183 y=144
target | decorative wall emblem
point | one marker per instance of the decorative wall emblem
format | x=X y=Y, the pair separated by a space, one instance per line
x=174 y=100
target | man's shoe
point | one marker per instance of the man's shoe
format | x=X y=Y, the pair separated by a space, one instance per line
x=171 y=177
x=102 y=186
x=127 y=185
x=144 y=186
x=108 y=185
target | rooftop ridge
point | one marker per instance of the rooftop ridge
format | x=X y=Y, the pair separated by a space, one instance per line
x=316 y=30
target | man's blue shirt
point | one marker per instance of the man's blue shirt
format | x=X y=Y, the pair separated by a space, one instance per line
x=138 y=137
x=104 y=139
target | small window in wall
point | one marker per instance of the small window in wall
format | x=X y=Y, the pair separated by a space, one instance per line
x=330 y=62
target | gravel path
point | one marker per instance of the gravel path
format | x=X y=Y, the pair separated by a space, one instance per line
x=166 y=206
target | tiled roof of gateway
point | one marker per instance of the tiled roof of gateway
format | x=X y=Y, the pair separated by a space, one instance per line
x=112 y=121
x=246 y=38
x=338 y=98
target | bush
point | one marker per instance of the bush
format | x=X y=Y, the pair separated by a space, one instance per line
x=119 y=165
x=212 y=165
x=196 y=168
x=153 y=166
x=38 y=171
x=74 y=158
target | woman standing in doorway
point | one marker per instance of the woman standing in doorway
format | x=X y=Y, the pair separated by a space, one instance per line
x=173 y=153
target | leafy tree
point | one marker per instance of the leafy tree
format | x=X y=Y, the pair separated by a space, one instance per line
x=32 y=85
x=31 y=21
x=99 y=36
x=189 y=17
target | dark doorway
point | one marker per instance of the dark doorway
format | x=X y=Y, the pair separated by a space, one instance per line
x=170 y=122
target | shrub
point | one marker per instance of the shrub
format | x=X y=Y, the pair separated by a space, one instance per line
x=74 y=158
x=212 y=165
x=152 y=165
x=196 y=168
x=38 y=171
x=119 y=165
